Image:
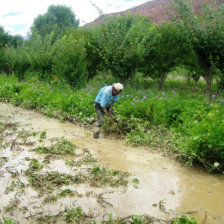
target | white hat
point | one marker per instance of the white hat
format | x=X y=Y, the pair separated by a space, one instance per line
x=118 y=87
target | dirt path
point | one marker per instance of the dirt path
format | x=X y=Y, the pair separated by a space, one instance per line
x=165 y=186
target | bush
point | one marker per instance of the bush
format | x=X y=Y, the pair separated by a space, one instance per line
x=202 y=136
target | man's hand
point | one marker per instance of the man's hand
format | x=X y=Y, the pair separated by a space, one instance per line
x=109 y=114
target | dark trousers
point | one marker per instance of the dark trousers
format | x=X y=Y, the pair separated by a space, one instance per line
x=100 y=114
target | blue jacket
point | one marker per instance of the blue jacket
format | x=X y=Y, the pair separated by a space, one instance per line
x=105 y=97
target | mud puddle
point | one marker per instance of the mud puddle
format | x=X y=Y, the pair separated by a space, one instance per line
x=166 y=188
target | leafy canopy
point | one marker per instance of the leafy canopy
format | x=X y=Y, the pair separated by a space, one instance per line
x=57 y=19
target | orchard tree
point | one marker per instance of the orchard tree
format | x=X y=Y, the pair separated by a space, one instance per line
x=70 y=62
x=165 y=48
x=57 y=19
x=93 y=59
x=206 y=33
x=118 y=41
x=40 y=54
x=17 y=60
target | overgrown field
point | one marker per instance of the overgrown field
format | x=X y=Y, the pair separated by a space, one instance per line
x=179 y=119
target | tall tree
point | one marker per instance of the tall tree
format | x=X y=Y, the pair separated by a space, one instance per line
x=57 y=19
x=165 y=47
x=205 y=31
x=118 y=40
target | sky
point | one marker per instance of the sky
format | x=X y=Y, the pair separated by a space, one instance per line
x=17 y=16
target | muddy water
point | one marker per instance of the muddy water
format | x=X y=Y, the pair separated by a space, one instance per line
x=181 y=188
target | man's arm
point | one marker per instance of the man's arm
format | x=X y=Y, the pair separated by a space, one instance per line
x=110 y=109
x=109 y=112
x=105 y=111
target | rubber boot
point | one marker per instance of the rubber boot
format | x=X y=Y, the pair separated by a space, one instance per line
x=96 y=132
x=96 y=135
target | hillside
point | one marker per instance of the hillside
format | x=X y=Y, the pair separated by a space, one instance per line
x=153 y=9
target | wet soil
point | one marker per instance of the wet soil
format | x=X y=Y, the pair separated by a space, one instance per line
x=166 y=187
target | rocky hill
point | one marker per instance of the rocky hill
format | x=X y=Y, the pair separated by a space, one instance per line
x=154 y=9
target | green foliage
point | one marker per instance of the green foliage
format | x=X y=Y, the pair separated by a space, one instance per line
x=168 y=48
x=7 y=40
x=202 y=134
x=118 y=41
x=34 y=165
x=63 y=193
x=205 y=32
x=7 y=221
x=61 y=147
x=184 y=220
x=74 y=215
x=70 y=60
x=93 y=58
x=43 y=135
x=148 y=117
x=20 y=187
x=50 y=180
x=135 y=181
x=17 y=60
x=40 y=54
x=104 y=176
x=58 y=19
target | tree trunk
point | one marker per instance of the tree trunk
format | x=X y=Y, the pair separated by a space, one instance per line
x=208 y=78
x=161 y=80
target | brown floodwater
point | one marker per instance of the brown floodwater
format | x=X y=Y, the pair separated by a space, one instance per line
x=182 y=189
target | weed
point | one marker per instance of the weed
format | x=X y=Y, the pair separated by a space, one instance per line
x=34 y=133
x=73 y=215
x=43 y=135
x=135 y=181
x=63 y=193
x=69 y=216
x=34 y=165
x=104 y=176
x=6 y=221
x=184 y=220
x=86 y=159
x=15 y=184
x=50 y=180
x=62 y=147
